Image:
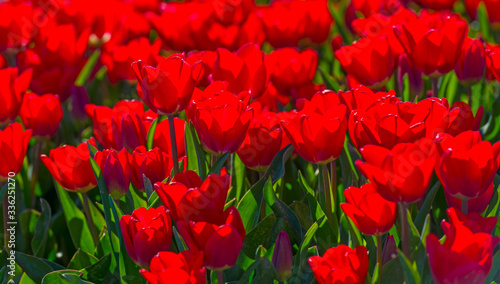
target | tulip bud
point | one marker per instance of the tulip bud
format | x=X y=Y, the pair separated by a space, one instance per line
x=115 y=170
x=282 y=257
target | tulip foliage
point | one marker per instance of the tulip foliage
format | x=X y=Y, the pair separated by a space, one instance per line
x=283 y=141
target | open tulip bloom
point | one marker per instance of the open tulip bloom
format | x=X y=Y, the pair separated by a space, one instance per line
x=244 y=141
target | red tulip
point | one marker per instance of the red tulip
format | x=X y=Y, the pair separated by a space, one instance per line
x=115 y=168
x=462 y=119
x=372 y=214
x=207 y=59
x=362 y=98
x=245 y=70
x=471 y=63
x=434 y=42
x=402 y=174
x=43 y=114
x=318 y=131
x=437 y=4
x=341 y=264
x=467 y=164
x=13 y=144
x=17 y=27
x=291 y=69
x=118 y=58
x=183 y=268
x=70 y=166
x=12 y=92
x=161 y=137
x=493 y=63
x=466 y=255
x=154 y=164
x=473 y=221
x=188 y=198
x=220 y=237
x=119 y=127
x=263 y=141
x=167 y=89
x=477 y=204
x=370 y=61
x=222 y=123
x=145 y=233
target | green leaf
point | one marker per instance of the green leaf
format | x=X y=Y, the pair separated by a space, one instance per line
x=216 y=168
x=81 y=260
x=238 y=185
x=282 y=210
x=392 y=272
x=41 y=235
x=316 y=211
x=116 y=216
x=64 y=277
x=264 y=269
x=249 y=206
x=151 y=134
x=328 y=80
x=494 y=268
x=300 y=263
x=75 y=219
x=302 y=212
x=129 y=271
x=36 y=268
x=426 y=207
x=148 y=186
x=258 y=235
x=193 y=141
x=97 y=271
x=484 y=22
x=87 y=69
x=410 y=269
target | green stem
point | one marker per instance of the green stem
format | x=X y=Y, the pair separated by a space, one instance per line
x=90 y=219
x=465 y=205
x=469 y=94
x=34 y=175
x=405 y=229
x=379 y=257
x=173 y=143
x=220 y=276
x=328 y=194
x=435 y=89
x=333 y=183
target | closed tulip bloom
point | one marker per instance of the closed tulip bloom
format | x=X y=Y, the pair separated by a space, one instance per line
x=467 y=253
x=161 y=138
x=119 y=127
x=11 y=93
x=183 y=268
x=222 y=123
x=370 y=61
x=115 y=169
x=402 y=174
x=362 y=98
x=434 y=42
x=154 y=164
x=188 y=198
x=245 y=70
x=341 y=264
x=466 y=165
x=167 y=89
x=146 y=232
x=462 y=118
x=42 y=114
x=13 y=145
x=492 y=63
x=477 y=204
x=283 y=257
x=219 y=236
x=472 y=62
x=372 y=214
x=70 y=166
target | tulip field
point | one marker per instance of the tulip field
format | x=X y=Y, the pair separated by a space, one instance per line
x=242 y=141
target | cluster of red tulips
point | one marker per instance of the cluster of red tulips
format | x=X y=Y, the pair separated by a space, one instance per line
x=229 y=141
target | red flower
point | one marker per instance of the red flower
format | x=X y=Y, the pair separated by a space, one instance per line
x=13 y=144
x=119 y=127
x=263 y=141
x=291 y=69
x=188 y=198
x=467 y=164
x=369 y=60
x=462 y=119
x=167 y=89
x=402 y=174
x=161 y=138
x=43 y=114
x=245 y=70
x=146 y=233
x=493 y=63
x=154 y=164
x=70 y=166
x=220 y=236
x=118 y=58
x=12 y=92
x=473 y=221
x=437 y=4
x=471 y=63
x=17 y=24
x=372 y=214
x=467 y=253
x=183 y=268
x=362 y=98
x=341 y=264
x=434 y=42
x=477 y=204
x=222 y=123
x=318 y=131
x=115 y=168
